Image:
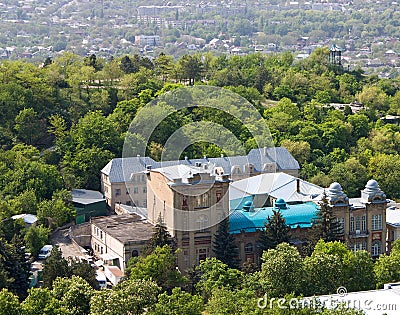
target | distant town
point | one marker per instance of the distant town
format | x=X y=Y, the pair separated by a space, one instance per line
x=36 y=29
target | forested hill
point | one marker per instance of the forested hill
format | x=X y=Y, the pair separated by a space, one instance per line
x=61 y=122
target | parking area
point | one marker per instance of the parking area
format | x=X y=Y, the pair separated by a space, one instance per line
x=68 y=248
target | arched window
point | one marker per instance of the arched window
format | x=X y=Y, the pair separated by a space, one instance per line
x=376 y=248
x=248 y=248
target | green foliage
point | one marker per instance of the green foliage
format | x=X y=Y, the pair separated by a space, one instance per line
x=281 y=270
x=215 y=274
x=224 y=245
x=54 y=266
x=128 y=297
x=42 y=301
x=179 y=302
x=160 y=266
x=9 y=304
x=160 y=238
x=14 y=268
x=275 y=232
x=74 y=295
x=326 y=225
x=35 y=238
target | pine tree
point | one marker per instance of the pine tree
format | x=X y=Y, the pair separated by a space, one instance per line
x=54 y=266
x=326 y=226
x=160 y=237
x=225 y=248
x=275 y=232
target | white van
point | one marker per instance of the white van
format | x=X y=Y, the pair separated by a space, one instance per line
x=45 y=251
x=101 y=279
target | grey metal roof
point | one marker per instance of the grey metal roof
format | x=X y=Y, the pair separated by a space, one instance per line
x=85 y=196
x=119 y=170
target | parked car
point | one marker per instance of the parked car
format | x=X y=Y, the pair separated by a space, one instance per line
x=45 y=251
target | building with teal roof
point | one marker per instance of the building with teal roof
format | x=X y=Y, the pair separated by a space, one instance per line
x=247 y=223
x=250 y=220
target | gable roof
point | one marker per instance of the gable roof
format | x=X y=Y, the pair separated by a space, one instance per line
x=120 y=169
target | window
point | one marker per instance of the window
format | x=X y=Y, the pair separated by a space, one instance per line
x=377 y=222
x=118 y=192
x=352 y=224
x=135 y=253
x=128 y=203
x=341 y=224
x=201 y=254
x=248 y=248
x=144 y=189
x=145 y=204
x=135 y=190
x=128 y=191
x=364 y=223
x=358 y=223
x=359 y=246
x=101 y=234
x=376 y=248
x=184 y=201
x=202 y=222
x=202 y=201
x=143 y=178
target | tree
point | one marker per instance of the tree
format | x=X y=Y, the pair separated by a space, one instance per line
x=54 y=266
x=160 y=238
x=215 y=274
x=224 y=245
x=127 y=66
x=282 y=270
x=15 y=267
x=386 y=170
x=225 y=301
x=189 y=68
x=85 y=271
x=9 y=304
x=351 y=174
x=179 y=302
x=326 y=225
x=74 y=294
x=28 y=126
x=35 y=238
x=275 y=232
x=128 y=297
x=159 y=266
x=42 y=301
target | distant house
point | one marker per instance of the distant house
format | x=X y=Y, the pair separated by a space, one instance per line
x=88 y=203
x=147 y=40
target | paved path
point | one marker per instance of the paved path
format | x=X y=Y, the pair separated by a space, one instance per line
x=68 y=248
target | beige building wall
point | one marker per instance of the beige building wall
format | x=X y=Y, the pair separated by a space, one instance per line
x=191 y=214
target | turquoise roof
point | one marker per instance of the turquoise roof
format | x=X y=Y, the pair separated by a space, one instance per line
x=301 y=215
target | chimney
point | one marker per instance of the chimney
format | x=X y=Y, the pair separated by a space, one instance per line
x=298 y=185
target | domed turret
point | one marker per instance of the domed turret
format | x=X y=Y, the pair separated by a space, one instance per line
x=280 y=204
x=372 y=192
x=248 y=206
x=336 y=195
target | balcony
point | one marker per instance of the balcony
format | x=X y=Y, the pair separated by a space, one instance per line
x=358 y=234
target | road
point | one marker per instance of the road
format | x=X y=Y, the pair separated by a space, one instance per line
x=68 y=248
